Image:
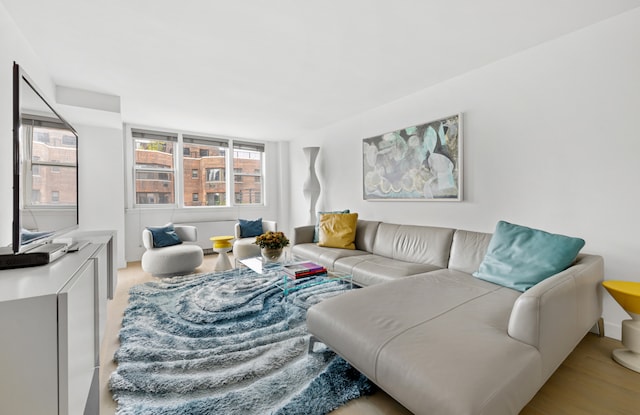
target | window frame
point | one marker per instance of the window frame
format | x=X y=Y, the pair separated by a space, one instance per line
x=155 y=135
x=35 y=168
x=239 y=177
x=180 y=181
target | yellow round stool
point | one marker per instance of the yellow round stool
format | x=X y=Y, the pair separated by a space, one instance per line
x=222 y=245
x=627 y=294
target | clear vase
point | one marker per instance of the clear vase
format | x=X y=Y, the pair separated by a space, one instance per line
x=271 y=254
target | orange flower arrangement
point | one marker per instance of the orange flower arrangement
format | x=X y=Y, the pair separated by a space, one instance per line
x=273 y=240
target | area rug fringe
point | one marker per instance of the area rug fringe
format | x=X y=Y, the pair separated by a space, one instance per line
x=224 y=343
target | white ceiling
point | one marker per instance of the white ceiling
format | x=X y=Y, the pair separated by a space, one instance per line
x=280 y=68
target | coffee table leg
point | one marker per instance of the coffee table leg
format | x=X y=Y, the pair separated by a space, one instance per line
x=312 y=342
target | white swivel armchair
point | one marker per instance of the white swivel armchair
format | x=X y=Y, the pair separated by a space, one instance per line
x=172 y=260
x=246 y=247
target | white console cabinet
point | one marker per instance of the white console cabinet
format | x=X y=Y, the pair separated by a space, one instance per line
x=52 y=320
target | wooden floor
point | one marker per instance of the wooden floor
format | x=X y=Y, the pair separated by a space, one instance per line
x=588 y=382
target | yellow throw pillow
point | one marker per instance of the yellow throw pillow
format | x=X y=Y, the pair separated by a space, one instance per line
x=338 y=230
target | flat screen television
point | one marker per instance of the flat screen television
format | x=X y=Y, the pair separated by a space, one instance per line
x=45 y=168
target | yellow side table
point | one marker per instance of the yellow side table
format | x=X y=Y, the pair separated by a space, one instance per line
x=222 y=245
x=627 y=294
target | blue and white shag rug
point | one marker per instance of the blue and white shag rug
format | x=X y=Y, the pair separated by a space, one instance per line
x=222 y=344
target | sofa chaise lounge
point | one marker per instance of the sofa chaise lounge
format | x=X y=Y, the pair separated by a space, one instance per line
x=438 y=339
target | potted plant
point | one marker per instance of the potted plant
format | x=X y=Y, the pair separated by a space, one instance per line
x=271 y=244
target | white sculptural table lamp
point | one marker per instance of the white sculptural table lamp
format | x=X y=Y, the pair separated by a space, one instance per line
x=311 y=188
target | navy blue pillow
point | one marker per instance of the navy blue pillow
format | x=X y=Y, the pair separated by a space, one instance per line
x=249 y=228
x=164 y=236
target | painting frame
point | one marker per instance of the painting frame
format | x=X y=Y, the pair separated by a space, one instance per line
x=423 y=162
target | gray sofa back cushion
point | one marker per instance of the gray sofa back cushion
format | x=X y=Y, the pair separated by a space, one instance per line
x=419 y=244
x=366 y=234
x=468 y=250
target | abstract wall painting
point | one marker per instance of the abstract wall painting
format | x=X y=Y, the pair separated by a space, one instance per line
x=419 y=163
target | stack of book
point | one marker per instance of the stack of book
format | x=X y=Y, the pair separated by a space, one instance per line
x=303 y=269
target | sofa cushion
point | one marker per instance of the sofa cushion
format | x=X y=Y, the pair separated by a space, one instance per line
x=519 y=257
x=413 y=351
x=249 y=228
x=338 y=230
x=462 y=362
x=316 y=231
x=323 y=256
x=366 y=234
x=373 y=269
x=468 y=250
x=419 y=244
x=164 y=236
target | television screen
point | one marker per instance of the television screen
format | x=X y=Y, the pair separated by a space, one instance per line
x=45 y=197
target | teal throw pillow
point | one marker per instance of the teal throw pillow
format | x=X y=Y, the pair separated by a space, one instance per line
x=316 y=232
x=164 y=236
x=249 y=228
x=519 y=257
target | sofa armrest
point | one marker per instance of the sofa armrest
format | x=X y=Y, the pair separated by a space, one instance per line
x=555 y=314
x=147 y=239
x=303 y=234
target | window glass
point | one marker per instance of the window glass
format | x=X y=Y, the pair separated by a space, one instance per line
x=248 y=161
x=214 y=171
x=50 y=153
x=208 y=155
x=154 y=167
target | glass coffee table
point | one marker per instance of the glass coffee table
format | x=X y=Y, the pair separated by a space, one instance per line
x=286 y=282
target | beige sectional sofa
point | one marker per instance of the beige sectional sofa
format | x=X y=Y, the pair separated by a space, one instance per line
x=438 y=339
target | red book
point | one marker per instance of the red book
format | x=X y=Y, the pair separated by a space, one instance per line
x=308 y=274
x=304 y=269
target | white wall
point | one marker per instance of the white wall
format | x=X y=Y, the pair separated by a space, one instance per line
x=13 y=47
x=550 y=141
x=101 y=165
x=101 y=197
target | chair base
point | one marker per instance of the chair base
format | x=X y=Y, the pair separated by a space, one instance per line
x=172 y=260
x=245 y=248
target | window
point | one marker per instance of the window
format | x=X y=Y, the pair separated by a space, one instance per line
x=69 y=140
x=192 y=171
x=154 y=167
x=40 y=136
x=208 y=155
x=215 y=199
x=46 y=155
x=248 y=161
x=215 y=174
